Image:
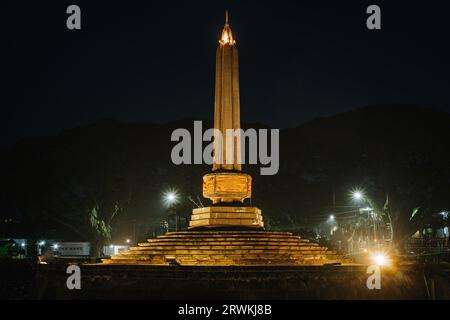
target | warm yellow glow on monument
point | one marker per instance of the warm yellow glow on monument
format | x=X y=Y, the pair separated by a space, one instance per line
x=227 y=35
x=228 y=232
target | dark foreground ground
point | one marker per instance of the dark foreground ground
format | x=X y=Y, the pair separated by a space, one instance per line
x=20 y=281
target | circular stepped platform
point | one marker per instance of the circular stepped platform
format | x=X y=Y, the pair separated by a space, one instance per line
x=226 y=248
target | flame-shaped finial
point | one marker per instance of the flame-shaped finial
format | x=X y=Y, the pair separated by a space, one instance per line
x=227 y=36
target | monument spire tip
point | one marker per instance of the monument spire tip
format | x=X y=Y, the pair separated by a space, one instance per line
x=227 y=36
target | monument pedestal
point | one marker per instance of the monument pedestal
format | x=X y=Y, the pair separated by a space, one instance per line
x=225 y=216
x=226 y=248
x=225 y=189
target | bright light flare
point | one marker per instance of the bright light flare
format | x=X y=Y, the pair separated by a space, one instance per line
x=357 y=195
x=170 y=197
x=380 y=259
x=225 y=38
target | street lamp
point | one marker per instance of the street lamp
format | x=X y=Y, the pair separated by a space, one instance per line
x=357 y=195
x=170 y=197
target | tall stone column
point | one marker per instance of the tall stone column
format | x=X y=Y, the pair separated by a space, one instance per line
x=226 y=103
x=227 y=186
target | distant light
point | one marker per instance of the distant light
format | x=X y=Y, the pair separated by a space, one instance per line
x=42 y=243
x=55 y=246
x=111 y=246
x=357 y=195
x=380 y=259
x=332 y=217
x=170 y=197
x=128 y=241
x=23 y=244
x=364 y=250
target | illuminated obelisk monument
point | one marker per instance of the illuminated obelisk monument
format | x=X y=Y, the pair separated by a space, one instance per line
x=227 y=186
x=227 y=233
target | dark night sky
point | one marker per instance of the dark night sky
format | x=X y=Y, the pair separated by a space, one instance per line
x=154 y=61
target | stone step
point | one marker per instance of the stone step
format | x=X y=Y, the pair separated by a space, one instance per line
x=222 y=232
x=230 y=251
x=242 y=249
x=255 y=262
x=207 y=257
x=227 y=239
x=217 y=247
x=220 y=260
x=229 y=248
x=225 y=244
x=229 y=235
x=249 y=262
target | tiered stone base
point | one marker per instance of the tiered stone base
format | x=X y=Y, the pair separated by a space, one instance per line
x=226 y=216
x=226 y=248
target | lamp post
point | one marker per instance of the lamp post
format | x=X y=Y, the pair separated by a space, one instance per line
x=171 y=198
x=359 y=196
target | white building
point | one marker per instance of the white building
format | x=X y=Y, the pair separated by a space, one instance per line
x=72 y=248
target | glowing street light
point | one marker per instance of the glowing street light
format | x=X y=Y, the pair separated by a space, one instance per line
x=55 y=246
x=170 y=197
x=128 y=240
x=357 y=195
x=332 y=217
